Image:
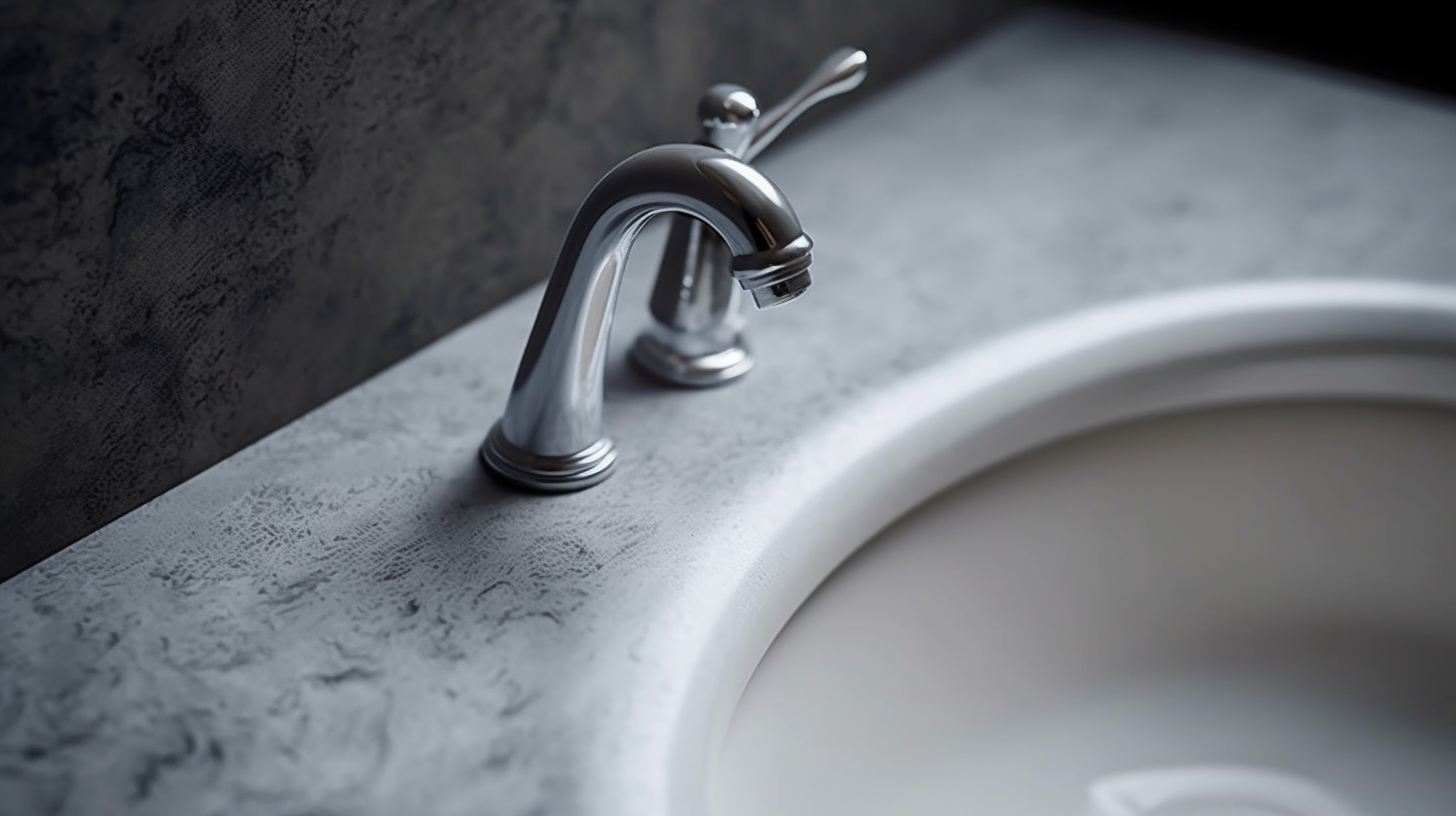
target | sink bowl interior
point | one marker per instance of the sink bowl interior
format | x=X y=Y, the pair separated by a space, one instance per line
x=1266 y=587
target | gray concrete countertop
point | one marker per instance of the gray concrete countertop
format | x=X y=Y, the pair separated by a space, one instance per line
x=349 y=617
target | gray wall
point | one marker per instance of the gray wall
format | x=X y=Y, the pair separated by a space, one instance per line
x=217 y=215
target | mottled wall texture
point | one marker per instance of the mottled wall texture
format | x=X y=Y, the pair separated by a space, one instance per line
x=217 y=214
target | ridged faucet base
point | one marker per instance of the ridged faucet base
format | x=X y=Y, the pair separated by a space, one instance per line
x=548 y=474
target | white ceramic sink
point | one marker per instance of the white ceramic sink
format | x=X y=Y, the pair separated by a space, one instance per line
x=1197 y=556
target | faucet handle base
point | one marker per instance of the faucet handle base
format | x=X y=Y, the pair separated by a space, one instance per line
x=705 y=370
x=547 y=474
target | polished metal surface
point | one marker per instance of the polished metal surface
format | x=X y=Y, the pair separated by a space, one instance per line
x=550 y=437
x=697 y=335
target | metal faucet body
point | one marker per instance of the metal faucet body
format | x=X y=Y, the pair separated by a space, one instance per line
x=550 y=437
x=696 y=338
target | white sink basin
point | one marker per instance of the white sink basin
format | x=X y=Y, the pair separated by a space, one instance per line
x=1227 y=585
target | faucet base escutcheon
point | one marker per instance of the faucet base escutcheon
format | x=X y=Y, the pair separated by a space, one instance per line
x=547 y=474
x=664 y=362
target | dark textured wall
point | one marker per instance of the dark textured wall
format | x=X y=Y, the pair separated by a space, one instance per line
x=217 y=215
x=1407 y=42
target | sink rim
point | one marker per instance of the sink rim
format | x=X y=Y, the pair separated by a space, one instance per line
x=866 y=467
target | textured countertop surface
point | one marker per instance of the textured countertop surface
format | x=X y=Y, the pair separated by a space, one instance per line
x=349 y=617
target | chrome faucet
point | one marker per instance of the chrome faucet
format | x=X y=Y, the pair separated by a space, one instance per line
x=697 y=336
x=550 y=437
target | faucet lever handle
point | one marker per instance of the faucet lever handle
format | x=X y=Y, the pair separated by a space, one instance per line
x=730 y=114
x=696 y=337
x=841 y=72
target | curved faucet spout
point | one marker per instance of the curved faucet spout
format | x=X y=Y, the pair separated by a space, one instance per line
x=550 y=437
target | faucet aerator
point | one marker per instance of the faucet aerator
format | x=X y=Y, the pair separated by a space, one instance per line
x=776 y=276
x=777 y=294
